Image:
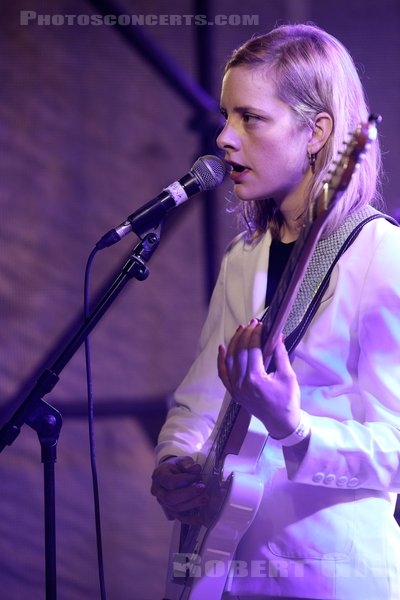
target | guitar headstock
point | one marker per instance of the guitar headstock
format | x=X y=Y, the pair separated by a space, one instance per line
x=348 y=162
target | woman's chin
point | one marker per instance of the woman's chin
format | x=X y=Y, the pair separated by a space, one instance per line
x=246 y=194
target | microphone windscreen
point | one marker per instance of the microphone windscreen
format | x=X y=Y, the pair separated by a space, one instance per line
x=209 y=171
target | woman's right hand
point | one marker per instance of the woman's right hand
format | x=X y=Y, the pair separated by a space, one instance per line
x=177 y=485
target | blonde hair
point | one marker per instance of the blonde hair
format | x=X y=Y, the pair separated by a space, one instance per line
x=313 y=73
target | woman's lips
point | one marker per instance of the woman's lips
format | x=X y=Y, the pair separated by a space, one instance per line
x=238 y=176
x=238 y=171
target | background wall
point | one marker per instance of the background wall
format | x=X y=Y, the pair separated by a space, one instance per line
x=88 y=133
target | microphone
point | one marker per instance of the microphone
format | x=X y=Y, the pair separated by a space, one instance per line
x=206 y=173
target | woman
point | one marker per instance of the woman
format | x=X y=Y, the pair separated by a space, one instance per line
x=330 y=466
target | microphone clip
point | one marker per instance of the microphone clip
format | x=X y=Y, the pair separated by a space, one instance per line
x=135 y=267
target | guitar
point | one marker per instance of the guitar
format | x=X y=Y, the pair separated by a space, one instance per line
x=201 y=555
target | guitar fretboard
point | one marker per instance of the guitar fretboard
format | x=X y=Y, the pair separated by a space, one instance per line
x=217 y=452
x=270 y=317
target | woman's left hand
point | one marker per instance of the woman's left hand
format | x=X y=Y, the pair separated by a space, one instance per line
x=274 y=398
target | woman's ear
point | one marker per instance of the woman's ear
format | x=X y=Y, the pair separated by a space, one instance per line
x=323 y=125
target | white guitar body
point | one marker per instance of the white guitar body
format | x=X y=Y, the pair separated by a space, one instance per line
x=200 y=572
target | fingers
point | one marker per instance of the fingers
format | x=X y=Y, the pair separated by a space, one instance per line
x=243 y=358
x=244 y=355
x=223 y=369
x=282 y=360
x=233 y=363
x=231 y=357
x=164 y=479
x=255 y=357
x=184 y=502
x=176 y=485
x=177 y=472
x=225 y=361
x=184 y=499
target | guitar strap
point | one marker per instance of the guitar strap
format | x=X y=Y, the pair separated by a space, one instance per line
x=316 y=279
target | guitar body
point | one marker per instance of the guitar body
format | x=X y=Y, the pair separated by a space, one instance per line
x=201 y=556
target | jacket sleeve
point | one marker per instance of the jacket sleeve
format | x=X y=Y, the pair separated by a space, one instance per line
x=197 y=401
x=238 y=295
x=364 y=451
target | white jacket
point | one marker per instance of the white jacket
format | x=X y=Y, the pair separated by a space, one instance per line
x=329 y=531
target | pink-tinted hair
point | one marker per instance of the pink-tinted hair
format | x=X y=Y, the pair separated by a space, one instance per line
x=313 y=73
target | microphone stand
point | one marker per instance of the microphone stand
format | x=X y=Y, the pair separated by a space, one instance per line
x=46 y=420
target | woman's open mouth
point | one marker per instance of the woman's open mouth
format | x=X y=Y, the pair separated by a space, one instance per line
x=238 y=172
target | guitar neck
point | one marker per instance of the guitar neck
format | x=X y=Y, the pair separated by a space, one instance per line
x=277 y=313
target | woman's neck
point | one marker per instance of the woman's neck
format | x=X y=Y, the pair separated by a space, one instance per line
x=292 y=209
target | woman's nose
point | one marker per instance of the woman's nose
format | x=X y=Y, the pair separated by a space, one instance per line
x=228 y=138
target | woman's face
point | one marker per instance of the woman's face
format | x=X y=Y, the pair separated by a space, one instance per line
x=262 y=135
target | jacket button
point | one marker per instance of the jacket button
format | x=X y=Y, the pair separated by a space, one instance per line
x=341 y=481
x=329 y=479
x=353 y=482
x=318 y=477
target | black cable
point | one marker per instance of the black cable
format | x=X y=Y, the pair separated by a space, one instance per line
x=92 y=444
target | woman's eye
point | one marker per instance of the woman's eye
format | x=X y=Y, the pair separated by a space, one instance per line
x=223 y=113
x=249 y=118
